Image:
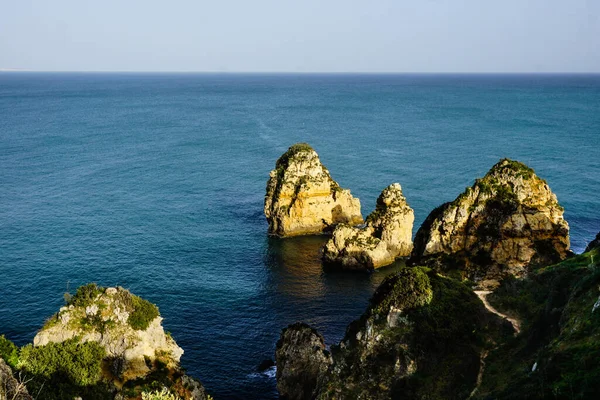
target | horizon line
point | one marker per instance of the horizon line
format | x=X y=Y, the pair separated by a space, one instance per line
x=19 y=70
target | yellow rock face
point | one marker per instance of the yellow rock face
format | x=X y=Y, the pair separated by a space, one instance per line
x=506 y=222
x=109 y=310
x=386 y=236
x=302 y=198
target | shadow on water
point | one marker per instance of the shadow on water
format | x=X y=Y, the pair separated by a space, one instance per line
x=303 y=291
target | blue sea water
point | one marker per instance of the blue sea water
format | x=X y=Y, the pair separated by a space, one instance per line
x=155 y=182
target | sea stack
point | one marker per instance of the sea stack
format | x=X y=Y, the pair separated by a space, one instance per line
x=386 y=236
x=302 y=198
x=505 y=223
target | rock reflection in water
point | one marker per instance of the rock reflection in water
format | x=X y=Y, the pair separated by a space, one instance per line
x=303 y=291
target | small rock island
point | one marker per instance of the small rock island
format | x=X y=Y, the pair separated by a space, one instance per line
x=507 y=222
x=386 y=236
x=302 y=198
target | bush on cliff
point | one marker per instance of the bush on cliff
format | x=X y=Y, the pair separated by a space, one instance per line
x=8 y=351
x=81 y=363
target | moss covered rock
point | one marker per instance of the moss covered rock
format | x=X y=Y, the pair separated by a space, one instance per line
x=422 y=336
x=557 y=354
x=386 y=235
x=302 y=198
x=302 y=362
x=505 y=224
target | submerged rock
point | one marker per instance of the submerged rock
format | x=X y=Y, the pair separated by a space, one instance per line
x=302 y=362
x=302 y=198
x=505 y=223
x=593 y=244
x=386 y=236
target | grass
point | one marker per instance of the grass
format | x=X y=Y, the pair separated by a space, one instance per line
x=561 y=334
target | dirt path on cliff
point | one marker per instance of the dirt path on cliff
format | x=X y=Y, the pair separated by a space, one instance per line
x=482 y=294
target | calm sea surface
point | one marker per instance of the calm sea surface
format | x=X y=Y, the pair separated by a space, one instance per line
x=156 y=183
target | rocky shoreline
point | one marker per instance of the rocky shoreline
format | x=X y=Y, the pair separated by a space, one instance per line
x=492 y=304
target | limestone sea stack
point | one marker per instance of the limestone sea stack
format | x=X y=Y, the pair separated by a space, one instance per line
x=507 y=222
x=303 y=199
x=386 y=236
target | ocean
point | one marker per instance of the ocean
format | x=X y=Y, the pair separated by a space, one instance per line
x=156 y=182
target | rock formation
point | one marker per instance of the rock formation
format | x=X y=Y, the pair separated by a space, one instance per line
x=421 y=337
x=122 y=340
x=302 y=198
x=10 y=387
x=505 y=223
x=108 y=317
x=386 y=236
x=593 y=244
x=302 y=361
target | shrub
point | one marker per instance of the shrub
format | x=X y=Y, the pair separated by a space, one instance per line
x=8 y=351
x=143 y=313
x=79 y=362
x=85 y=295
x=164 y=394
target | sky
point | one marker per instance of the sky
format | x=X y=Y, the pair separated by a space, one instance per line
x=418 y=36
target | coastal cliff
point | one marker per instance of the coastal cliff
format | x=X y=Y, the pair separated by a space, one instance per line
x=506 y=223
x=386 y=235
x=302 y=198
x=105 y=343
x=421 y=337
x=428 y=336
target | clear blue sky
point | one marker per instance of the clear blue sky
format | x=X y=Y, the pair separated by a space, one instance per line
x=301 y=35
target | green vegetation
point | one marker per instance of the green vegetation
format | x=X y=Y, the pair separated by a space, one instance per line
x=561 y=332
x=86 y=295
x=407 y=289
x=143 y=313
x=432 y=353
x=163 y=394
x=8 y=351
x=80 y=362
x=519 y=168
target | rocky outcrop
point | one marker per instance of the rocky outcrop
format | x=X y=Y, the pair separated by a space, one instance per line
x=126 y=326
x=505 y=223
x=302 y=362
x=593 y=244
x=302 y=198
x=10 y=387
x=386 y=235
x=107 y=343
x=421 y=337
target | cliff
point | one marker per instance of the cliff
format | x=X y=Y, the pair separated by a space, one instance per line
x=505 y=224
x=10 y=387
x=594 y=243
x=386 y=235
x=422 y=336
x=557 y=354
x=105 y=342
x=302 y=362
x=302 y=198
